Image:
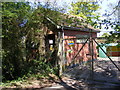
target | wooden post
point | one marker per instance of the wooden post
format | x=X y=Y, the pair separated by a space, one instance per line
x=91 y=54
x=60 y=52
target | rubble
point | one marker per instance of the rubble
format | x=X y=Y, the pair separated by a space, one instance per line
x=105 y=74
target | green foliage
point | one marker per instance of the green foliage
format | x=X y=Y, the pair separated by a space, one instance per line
x=40 y=66
x=13 y=15
x=113 y=36
x=86 y=10
x=20 y=54
x=105 y=35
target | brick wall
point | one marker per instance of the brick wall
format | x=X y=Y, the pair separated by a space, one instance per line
x=72 y=48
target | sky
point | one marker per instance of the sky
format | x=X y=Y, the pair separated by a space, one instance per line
x=106 y=6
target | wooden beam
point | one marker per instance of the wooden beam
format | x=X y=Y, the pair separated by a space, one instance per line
x=60 y=52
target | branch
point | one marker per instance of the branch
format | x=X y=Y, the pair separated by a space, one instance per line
x=114 y=10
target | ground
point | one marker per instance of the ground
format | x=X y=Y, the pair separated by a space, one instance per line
x=105 y=76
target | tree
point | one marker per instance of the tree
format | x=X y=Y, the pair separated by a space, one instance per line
x=86 y=10
x=14 y=29
x=112 y=22
x=21 y=27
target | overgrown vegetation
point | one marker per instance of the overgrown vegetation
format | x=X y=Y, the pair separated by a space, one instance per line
x=20 y=52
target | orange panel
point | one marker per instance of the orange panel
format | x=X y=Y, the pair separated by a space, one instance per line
x=113 y=53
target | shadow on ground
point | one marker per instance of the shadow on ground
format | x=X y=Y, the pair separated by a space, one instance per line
x=105 y=76
x=81 y=77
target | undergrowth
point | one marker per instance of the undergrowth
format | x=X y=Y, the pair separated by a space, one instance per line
x=35 y=69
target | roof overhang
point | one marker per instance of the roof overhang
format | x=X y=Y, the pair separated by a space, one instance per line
x=82 y=28
x=85 y=29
